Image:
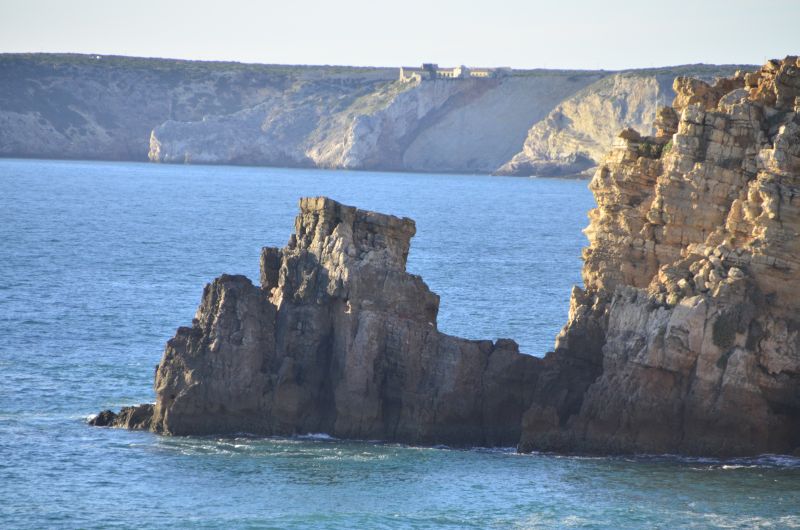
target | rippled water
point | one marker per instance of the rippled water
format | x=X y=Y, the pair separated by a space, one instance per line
x=100 y=262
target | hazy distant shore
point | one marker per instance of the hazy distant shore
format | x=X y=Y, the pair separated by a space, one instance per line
x=527 y=122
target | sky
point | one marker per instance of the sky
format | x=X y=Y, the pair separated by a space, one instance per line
x=607 y=34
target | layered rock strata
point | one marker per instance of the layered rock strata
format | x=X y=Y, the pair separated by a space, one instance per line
x=338 y=338
x=689 y=313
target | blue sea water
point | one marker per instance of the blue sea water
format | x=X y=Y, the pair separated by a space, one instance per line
x=100 y=262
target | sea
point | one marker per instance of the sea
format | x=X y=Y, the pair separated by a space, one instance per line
x=100 y=262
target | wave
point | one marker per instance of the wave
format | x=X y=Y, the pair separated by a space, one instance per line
x=764 y=460
x=759 y=461
x=315 y=436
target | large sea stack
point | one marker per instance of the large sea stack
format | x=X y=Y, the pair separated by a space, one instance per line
x=340 y=339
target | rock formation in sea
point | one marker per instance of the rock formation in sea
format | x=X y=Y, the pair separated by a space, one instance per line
x=689 y=316
x=338 y=338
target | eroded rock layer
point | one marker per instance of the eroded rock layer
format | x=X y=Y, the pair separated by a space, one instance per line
x=338 y=338
x=689 y=314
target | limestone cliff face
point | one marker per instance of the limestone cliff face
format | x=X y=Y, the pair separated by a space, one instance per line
x=124 y=108
x=578 y=133
x=338 y=338
x=282 y=130
x=689 y=314
x=442 y=125
x=376 y=134
x=105 y=107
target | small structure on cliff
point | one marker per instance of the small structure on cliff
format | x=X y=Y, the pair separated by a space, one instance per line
x=430 y=71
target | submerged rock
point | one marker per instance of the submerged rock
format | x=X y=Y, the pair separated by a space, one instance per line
x=104 y=418
x=689 y=317
x=138 y=417
x=338 y=338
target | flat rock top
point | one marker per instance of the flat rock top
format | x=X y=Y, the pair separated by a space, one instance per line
x=327 y=205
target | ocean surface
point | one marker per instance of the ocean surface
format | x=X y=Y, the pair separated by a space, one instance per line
x=100 y=262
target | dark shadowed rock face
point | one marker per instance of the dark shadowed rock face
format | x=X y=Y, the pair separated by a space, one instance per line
x=340 y=339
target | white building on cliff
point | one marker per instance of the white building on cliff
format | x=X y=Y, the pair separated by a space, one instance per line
x=433 y=71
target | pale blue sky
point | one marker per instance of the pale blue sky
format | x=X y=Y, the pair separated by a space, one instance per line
x=607 y=34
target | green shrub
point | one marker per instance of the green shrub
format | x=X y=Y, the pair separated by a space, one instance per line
x=723 y=333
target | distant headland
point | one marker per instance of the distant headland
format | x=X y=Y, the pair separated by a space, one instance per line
x=487 y=120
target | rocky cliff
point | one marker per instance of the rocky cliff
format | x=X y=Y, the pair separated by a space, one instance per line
x=471 y=125
x=338 y=338
x=688 y=319
x=576 y=135
x=121 y=108
x=105 y=107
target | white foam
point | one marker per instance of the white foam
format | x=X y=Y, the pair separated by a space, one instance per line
x=315 y=436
